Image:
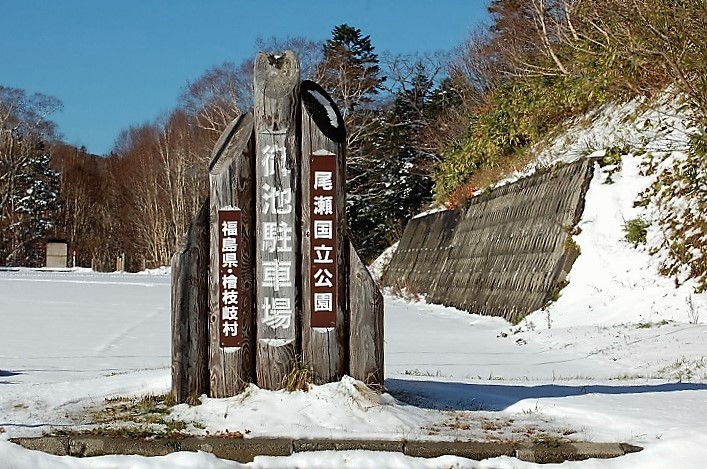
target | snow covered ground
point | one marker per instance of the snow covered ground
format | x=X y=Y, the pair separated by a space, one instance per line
x=70 y=340
x=620 y=357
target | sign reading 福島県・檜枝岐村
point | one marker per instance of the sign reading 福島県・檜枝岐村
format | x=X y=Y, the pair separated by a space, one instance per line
x=230 y=282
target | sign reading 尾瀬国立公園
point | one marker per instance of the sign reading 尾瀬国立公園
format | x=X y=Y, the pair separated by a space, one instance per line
x=230 y=284
x=324 y=242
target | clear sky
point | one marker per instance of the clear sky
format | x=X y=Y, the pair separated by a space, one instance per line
x=117 y=63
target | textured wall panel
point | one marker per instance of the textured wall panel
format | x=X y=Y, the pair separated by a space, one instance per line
x=504 y=254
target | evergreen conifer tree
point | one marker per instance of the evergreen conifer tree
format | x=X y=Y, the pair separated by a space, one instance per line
x=29 y=188
x=36 y=200
x=350 y=71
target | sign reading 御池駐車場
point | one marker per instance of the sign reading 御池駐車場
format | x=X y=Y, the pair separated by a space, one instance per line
x=324 y=242
x=276 y=217
x=230 y=283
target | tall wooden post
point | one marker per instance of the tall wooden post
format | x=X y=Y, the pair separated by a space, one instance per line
x=231 y=286
x=324 y=236
x=277 y=231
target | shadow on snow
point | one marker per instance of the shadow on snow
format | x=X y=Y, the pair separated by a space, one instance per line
x=439 y=395
x=7 y=374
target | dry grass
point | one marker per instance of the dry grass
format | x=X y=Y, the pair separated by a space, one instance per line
x=299 y=378
x=404 y=289
x=487 y=177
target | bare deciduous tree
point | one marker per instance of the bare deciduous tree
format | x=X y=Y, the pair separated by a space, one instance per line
x=523 y=28
x=219 y=95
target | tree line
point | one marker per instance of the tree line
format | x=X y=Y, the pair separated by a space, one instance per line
x=138 y=199
x=420 y=128
x=543 y=62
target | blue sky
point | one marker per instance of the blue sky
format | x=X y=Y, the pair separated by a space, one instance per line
x=120 y=63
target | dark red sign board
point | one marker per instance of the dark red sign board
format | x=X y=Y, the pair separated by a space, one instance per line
x=324 y=243
x=230 y=281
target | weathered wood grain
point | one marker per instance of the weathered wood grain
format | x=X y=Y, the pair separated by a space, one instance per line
x=231 y=185
x=504 y=254
x=366 y=324
x=190 y=373
x=324 y=349
x=276 y=78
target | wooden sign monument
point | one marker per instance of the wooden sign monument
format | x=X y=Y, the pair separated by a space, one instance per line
x=266 y=281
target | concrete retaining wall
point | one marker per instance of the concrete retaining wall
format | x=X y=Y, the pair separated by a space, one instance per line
x=245 y=450
x=504 y=254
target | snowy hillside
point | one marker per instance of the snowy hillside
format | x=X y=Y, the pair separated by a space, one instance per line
x=613 y=281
